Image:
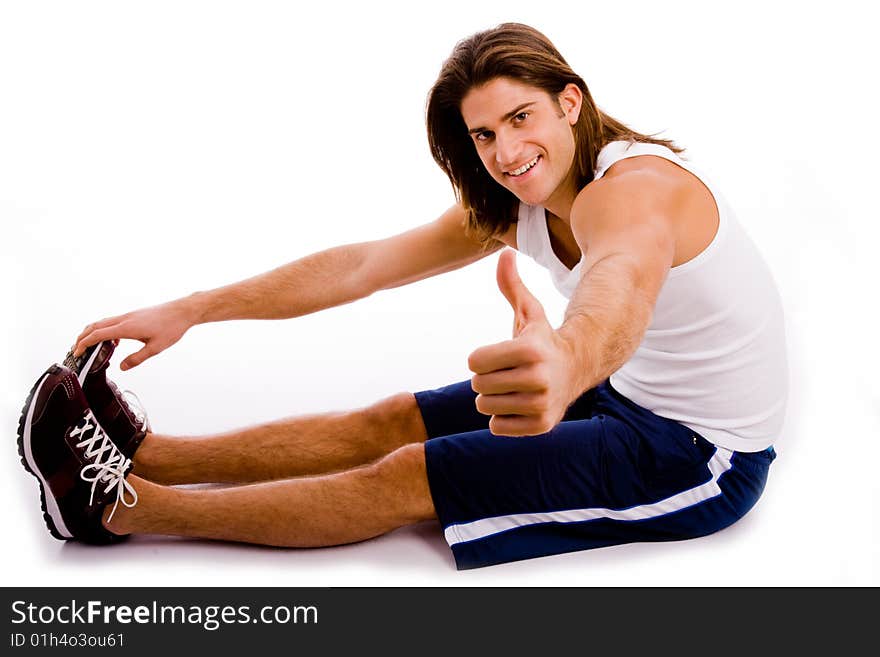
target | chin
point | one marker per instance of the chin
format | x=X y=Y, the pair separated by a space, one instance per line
x=532 y=198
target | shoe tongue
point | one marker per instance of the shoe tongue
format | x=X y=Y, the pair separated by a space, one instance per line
x=134 y=413
x=105 y=352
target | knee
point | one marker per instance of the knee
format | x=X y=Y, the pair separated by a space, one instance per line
x=403 y=476
x=398 y=415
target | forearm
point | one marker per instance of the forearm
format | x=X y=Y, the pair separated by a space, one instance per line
x=318 y=281
x=605 y=321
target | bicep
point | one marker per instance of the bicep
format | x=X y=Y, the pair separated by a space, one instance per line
x=628 y=222
x=434 y=248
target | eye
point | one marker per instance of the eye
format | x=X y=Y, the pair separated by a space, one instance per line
x=519 y=118
x=484 y=136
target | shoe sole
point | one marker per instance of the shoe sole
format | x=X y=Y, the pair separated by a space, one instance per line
x=51 y=512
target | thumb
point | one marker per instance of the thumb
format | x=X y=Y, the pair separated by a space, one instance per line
x=526 y=307
x=136 y=359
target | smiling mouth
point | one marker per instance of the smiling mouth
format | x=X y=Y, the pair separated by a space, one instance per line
x=523 y=169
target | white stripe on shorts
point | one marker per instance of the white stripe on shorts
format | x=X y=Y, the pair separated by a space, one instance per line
x=477 y=529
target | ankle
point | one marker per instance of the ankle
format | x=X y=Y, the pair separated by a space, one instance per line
x=116 y=525
x=119 y=518
x=147 y=461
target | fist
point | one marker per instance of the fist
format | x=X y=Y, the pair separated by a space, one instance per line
x=525 y=383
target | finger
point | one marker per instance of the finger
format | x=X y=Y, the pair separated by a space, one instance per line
x=107 y=321
x=517 y=379
x=137 y=358
x=502 y=355
x=84 y=341
x=83 y=334
x=96 y=336
x=514 y=403
x=514 y=426
x=526 y=307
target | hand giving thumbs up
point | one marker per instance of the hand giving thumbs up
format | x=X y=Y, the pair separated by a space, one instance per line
x=525 y=383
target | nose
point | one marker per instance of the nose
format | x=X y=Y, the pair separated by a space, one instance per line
x=507 y=150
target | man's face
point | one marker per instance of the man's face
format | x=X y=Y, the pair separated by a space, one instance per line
x=525 y=140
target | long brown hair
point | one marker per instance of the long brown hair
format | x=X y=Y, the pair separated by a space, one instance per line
x=520 y=52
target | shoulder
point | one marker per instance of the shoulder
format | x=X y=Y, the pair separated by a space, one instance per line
x=647 y=163
x=636 y=188
x=645 y=176
x=631 y=210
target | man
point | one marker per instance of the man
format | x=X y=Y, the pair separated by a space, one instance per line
x=649 y=414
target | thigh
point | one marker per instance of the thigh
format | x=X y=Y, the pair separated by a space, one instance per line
x=588 y=483
x=452 y=409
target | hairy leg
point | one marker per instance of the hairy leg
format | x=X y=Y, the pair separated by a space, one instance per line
x=306 y=445
x=333 y=509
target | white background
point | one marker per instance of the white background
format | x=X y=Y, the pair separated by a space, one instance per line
x=148 y=150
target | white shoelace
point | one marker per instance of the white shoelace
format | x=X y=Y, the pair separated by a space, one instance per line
x=111 y=470
x=134 y=403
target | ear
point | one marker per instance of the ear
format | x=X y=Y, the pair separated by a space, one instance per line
x=570 y=101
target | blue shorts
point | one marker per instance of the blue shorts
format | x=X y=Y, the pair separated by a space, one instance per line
x=611 y=472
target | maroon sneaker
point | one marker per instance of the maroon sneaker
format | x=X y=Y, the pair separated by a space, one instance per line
x=126 y=422
x=79 y=468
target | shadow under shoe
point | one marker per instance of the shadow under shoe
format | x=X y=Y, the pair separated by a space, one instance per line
x=126 y=424
x=79 y=468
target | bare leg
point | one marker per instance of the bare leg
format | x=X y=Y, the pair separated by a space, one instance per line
x=331 y=509
x=306 y=445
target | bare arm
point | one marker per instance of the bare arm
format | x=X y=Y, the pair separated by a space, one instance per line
x=322 y=280
x=343 y=274
x=625 y=229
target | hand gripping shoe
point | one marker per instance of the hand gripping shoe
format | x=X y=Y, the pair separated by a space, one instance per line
x=79 y=469
x=126 y=422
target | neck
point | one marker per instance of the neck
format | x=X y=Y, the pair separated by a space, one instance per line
x=560 y=207
x=560 y=202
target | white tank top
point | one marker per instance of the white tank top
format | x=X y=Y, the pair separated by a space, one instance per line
x=714 y=356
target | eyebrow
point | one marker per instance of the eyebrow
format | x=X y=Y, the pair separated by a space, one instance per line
x=506 y=117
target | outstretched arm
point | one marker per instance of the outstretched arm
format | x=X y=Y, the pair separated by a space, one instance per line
x=322 y=280
x=626 y=232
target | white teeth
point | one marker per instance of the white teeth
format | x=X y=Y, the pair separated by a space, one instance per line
x=525 y=167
